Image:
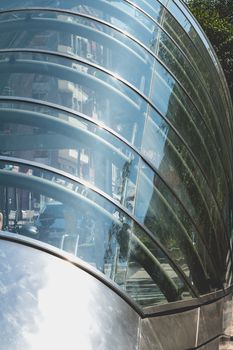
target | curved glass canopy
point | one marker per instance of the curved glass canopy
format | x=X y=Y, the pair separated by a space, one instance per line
x=116 y=139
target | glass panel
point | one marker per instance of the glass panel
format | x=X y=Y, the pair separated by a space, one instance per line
x=103 y=49
x=170 y=156
x=99 y=96
x=159 y=210
x=98 y=44
x=71 y=144
x=79 y=37
x=208 y=76
x=192 y=28
x=182 y=114
x=118 y=13
x=179 y=170
x=67 y=215
x=76 y=86
x=202 y=44
x=101 y=45
x=114 y=12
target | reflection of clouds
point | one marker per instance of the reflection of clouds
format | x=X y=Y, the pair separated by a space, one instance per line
x=18 y=297
x=47 y=303
x=59 y=324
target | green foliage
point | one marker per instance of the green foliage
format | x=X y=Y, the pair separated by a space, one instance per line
x=216 y=18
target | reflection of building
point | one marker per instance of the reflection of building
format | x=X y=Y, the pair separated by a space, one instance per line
x=116 y=138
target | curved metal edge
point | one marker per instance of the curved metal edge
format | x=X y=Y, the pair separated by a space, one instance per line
x=182 y=306
x=160 y=310
x=149 y=164
x=209 y=341
x=58 y=253
x=178 y=270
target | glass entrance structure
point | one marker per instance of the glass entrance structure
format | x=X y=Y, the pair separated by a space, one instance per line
x=116 y=147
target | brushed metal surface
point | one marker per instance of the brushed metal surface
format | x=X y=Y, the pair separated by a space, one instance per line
x=48 y=303
x=169 y=332
x=211 y=321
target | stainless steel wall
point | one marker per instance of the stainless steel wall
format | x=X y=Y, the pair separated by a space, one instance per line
x=46 y=302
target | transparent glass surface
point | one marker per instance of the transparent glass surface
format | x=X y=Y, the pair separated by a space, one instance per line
x=192 y=28
x=81 y=148
x=202 y=62
x=71 y=144
x=76 y=146
x=183 y=115
x=162 y=213
x=117 y=13
x=205 y=49
x=189 y=214
x=79 y=37
x=153 y=8
x=89 y=91
x=76 y=86
x=120 y=14
x=178 y=168
x=102 y=45
x=49 y=208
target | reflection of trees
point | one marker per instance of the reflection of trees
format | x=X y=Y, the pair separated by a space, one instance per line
x=138 y=250
x=164 y=222
x=216 y=19
x=192 y=184
x=167 y=224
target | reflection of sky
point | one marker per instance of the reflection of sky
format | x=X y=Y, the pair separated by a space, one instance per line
x=163 y=85
x=47 y=303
